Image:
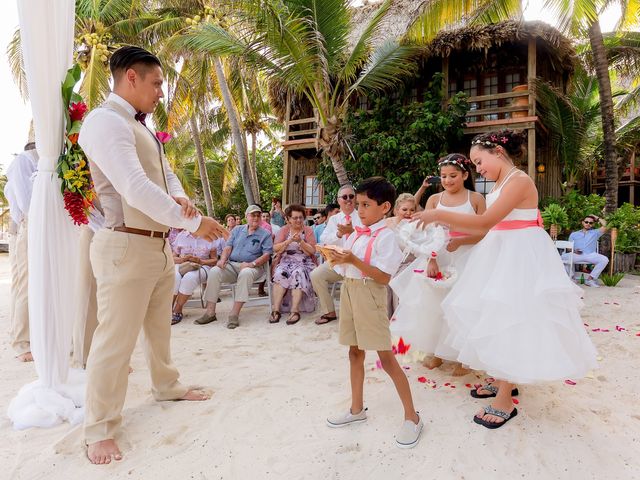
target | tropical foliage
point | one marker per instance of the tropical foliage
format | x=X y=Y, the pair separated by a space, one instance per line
x=399 y=141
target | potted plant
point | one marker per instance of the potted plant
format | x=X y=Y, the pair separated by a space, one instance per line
x=625 y=237
x=555 y=216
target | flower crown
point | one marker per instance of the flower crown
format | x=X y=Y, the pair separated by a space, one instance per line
x=492 y=141
x=459 y=160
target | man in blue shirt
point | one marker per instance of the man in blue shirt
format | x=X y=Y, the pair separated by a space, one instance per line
x=585 y=246
x=243 y=262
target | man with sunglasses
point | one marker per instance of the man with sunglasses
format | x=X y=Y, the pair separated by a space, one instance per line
x=585 y=246
x=343 y=223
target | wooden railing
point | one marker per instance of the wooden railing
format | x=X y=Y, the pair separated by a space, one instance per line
x=500 y=106
x=301 y=133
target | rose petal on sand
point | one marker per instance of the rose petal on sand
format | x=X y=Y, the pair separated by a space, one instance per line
x=586 y=324
x=605 y=330
x=406 y=367
x=595 y=329
x=447 y=384
x=515 y=401
x=569 y=382
x=468 y=385
x=422 y=379
x=620 y=329
x=378 y=364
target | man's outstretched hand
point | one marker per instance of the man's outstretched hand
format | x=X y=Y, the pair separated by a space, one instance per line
x=210 y=229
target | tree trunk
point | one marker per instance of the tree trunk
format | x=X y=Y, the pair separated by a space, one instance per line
x=202 y=167
x=236 y=131
x=253 y=165
x=606 y=111
x=331 y=145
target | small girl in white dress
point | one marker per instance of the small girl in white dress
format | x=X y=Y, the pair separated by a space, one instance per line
x=514 y=312
x=419 y=319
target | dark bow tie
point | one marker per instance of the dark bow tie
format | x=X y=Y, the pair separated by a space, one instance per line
x=140 y=117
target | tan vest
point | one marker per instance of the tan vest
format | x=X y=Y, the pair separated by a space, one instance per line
x=117 y=212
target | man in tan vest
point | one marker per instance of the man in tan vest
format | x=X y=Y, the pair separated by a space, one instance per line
x=131 y=259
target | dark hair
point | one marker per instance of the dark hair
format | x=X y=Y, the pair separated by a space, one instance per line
x=128 y=57
x=462 y=163
x=592 y=217
x=30 y=146
x=510 y=140
x=229 y=215
x=329 y=208
x=294 y=208
x=378 y=189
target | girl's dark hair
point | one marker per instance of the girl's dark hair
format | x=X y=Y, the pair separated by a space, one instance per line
x=510 y=140
x=294 y=208
x=463 y=164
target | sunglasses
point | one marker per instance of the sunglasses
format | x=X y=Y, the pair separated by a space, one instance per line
x=588 y=222
x=317 y=218
x=351 y=196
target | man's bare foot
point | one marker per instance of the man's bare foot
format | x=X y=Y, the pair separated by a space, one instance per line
x=195 y=395
x=432 y=362
x=25 y=357
x=460 y=371
x=101 y=453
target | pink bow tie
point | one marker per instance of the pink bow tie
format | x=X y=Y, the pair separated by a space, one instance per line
x=363 y=231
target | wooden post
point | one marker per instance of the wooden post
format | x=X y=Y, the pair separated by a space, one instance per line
x=614 y=237
x=285 y=154
x=632 y=178
x=531 y=134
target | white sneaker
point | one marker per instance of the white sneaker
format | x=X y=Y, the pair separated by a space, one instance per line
x=348 y=418
x=592 y=283
x=409 y=434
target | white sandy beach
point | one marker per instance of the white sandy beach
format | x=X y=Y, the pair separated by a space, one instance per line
x=274 y=385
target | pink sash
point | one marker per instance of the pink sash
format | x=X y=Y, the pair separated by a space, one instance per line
x=519 y=224
x=454 y=234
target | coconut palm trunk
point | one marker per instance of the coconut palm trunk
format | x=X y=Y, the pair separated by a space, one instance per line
x=236 y=131
x=608 y=123
x=254 y=165
x=202 y=167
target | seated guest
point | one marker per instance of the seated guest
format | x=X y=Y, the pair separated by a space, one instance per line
x=266 y=218
x=585 y=245
x=319 y=223
x=295 y=248
x=193 y=257
x=330 y=210
x=231 y=221
x=277 y=215
x=242 y=262
x=173 y=233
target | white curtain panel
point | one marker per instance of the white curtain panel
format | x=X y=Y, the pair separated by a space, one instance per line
x=46 y=30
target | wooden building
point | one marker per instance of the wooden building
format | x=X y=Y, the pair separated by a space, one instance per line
x=495 y=65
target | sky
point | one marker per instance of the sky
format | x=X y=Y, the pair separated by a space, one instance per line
x=16 y=114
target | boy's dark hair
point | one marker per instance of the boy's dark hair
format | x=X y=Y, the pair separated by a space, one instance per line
x=132 y=57
x=329 y=208
x=378 y=189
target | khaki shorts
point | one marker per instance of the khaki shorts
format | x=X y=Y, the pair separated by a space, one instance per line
x=363 y=315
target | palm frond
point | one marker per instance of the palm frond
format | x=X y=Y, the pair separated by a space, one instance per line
x=16 y=64
x=95 y=83
x=387 y=66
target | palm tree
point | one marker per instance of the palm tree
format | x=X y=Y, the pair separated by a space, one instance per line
x=577 y=17
x=172 y=21
x=305 y=46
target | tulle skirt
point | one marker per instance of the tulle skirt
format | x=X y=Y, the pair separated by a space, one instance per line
x=419 y=318
x=514 y=313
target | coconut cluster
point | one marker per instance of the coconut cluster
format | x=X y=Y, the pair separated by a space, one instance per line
x=207 y=15
x=91 y=44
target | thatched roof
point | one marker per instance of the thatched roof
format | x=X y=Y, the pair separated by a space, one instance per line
x=558 y=48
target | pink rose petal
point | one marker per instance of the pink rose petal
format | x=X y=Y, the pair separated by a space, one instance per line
x=515 y=401
x=447 y=384
x=620 y=329
x=595 y=329
x=468 y=385
x=569 y=382
x=422 y=379
x=378 y=364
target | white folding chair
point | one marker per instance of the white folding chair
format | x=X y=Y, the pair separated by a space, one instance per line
x=565 y=249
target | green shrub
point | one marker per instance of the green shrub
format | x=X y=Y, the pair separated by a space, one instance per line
x=627 y=220
x=401 y=142
x=611 y=280
x=555 y=214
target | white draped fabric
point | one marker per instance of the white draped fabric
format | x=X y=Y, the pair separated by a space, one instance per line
x=46 y=29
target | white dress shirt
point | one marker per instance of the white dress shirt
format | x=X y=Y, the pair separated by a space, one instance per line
x=385 y=255
x=19 y=187
x=330 y=234
x=109 y=142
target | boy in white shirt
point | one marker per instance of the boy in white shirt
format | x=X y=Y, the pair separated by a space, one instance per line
x=371 y=257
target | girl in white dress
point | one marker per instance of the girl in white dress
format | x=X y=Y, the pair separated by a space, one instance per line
x=419 y=319
x=514 y=312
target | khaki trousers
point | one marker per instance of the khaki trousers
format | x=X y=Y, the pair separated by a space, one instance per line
x=19 y=304
x=134 y=276
x=321 y=278
x=86 y=320
x=243 y=279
